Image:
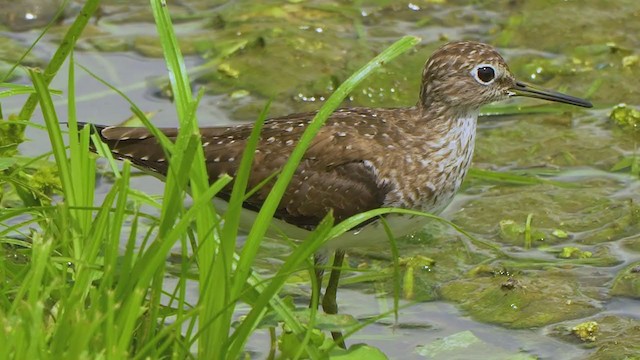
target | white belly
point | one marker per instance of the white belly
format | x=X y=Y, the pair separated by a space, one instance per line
x=372 y=234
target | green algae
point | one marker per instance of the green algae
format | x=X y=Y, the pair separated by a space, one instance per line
x=548 y=141
x=627 y=283
x=586 y=331
x=11 y=135
x=571 y=252
x=626 y=117
x=542 y=70
x=615 y=337
x=24 y=182
x=306 y=66
x=587 y=214
x=431 y=259
x=602 y=59
x=514 y=233
x=11 y=51
x=412 y=265
x=520 y=301
x=359 y=351
x=560 y=234
x=632 y=243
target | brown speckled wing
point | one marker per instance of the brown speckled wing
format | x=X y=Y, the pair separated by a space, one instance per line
x=332 y=175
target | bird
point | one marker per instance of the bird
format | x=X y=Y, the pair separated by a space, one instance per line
x=362 y=158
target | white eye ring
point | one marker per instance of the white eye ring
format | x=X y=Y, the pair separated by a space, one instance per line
x=493 y=73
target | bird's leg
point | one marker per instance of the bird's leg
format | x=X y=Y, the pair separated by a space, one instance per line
x=329 y=304
x=319 y=261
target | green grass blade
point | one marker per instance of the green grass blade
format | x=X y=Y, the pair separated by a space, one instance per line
x=55 y=135
x=515 y=179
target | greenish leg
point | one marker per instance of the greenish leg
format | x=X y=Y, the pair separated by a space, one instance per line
x=319 y=262
x=329 y=303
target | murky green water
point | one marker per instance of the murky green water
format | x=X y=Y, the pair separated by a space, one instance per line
x=584 y=227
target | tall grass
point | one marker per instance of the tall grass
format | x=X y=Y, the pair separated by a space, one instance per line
x=79 y=295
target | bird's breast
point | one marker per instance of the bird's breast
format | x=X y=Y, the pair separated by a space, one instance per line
x=427 y=177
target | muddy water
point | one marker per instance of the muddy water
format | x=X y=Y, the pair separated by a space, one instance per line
x=583 y=218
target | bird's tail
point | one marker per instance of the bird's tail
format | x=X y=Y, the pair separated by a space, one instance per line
x=136 y=144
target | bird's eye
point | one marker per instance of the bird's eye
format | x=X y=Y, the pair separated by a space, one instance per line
x=484 y=74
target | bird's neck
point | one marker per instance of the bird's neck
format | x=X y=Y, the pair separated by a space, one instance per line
x=444 y=121
x=449 y=154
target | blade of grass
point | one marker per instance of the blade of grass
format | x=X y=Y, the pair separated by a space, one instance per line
x=527 y=232
x=55 y=135
x=395 y=255
x=20 y=89
x=82 y=165
x=516 y=179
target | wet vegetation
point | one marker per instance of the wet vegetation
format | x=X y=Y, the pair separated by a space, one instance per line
x=550 y=256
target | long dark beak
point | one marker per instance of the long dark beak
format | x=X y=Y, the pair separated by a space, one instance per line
x=522 y=89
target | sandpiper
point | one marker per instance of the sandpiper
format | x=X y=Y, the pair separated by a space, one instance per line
x=363 y=158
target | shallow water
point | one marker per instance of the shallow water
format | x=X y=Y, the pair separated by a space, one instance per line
x=296 y=53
